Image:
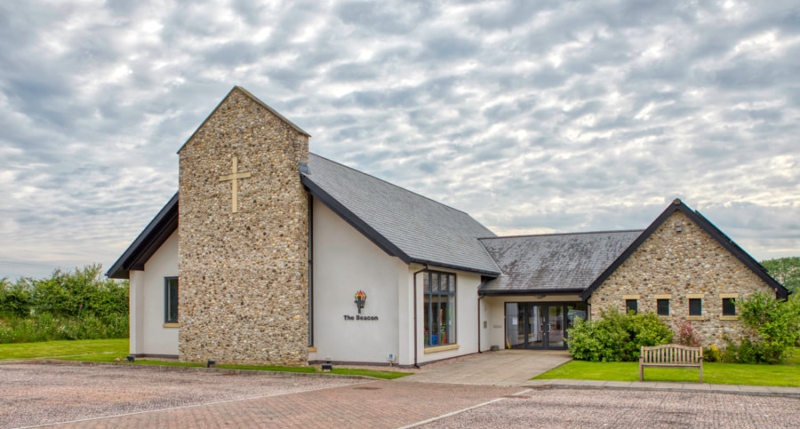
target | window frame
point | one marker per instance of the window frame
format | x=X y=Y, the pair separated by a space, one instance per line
x=658 y=306
x=628 y=308
x=730 y=299
x=450 y=293
x=168 y=302
x=700 y=308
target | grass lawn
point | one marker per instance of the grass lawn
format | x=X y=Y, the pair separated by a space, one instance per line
x=713 y=373
x=88 y=349
x=113 y=350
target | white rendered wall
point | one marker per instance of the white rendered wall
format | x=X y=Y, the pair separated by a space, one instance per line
x=136 y=306
x=148 y=335
x=344 y=262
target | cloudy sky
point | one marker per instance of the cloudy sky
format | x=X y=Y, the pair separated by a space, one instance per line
x=533 y=116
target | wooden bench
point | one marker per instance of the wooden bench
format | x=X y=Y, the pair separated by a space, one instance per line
x=671 y=356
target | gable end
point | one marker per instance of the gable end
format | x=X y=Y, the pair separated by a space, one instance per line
x=254 y=99
x=706 y=226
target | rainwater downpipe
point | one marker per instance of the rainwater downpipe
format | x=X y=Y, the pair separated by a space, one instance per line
x=416 y=365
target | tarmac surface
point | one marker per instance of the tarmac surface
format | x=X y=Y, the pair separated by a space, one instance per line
x=133 y=396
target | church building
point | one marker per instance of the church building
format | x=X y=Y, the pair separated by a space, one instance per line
x=270 y=254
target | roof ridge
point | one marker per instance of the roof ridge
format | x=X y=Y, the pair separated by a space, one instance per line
x=392 y=184
x=562 y=233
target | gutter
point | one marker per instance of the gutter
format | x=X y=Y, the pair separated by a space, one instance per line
x=571 y=291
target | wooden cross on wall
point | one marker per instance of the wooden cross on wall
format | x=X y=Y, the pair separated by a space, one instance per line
x=234 y=178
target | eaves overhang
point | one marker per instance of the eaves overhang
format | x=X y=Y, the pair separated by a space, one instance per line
x=531 y=292
x=456 y=267
x=148 y=241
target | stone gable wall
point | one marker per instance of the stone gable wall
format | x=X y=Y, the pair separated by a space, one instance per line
x=679 y=264
x=243 y=276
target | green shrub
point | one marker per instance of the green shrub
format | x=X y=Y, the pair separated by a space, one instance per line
x=775 y=325
x=646 y=330
x=14 y=299
x=66 y=306
x=616 y=336
x=745 y=352
x=712 y=353
x=46 y=327
x=79 y=292
x=588 y=341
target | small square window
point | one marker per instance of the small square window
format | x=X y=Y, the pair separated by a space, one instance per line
x=171 y=300
x=729 y=306
x=631 y=305
x=695 y=306
x=663 y=307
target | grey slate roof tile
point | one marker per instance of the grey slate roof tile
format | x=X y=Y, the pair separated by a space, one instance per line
x=555 y=261
x=423 y=229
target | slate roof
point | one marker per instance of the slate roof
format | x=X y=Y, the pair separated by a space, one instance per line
x=404 y=224
x=553 y=263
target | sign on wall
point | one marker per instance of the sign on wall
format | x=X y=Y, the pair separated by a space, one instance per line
x=360 y=301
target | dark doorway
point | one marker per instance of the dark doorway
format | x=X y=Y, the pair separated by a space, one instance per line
x=540 y=325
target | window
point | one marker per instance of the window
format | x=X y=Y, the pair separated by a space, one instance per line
x=729 y=306
x=662 y=306
x=631 y=305
x=439 y=308
x=171 y=300
x=695 y=306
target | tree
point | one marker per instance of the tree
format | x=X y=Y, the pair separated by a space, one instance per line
x=785 y=270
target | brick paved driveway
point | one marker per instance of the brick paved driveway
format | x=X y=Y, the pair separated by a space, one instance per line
x=567 y=408
x=141 y=397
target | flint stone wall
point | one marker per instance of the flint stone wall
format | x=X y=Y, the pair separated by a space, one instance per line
x=679 y=264
x=243 y=276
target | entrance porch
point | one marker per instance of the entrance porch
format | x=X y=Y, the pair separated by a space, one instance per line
x=531 y=325
x=532 y=321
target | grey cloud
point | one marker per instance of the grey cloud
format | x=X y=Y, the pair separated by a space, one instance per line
x=508 y=15
x=383 y=17
x=353 y=72
x=250 y=11
x=448 y=47
x=231 y=54
x=466 y=105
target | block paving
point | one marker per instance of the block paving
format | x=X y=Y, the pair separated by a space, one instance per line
x=117 y=396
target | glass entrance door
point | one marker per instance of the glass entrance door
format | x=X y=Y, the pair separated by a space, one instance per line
x=540 y=326
x=542 y=318
x=555 y=327
x=536 y=320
